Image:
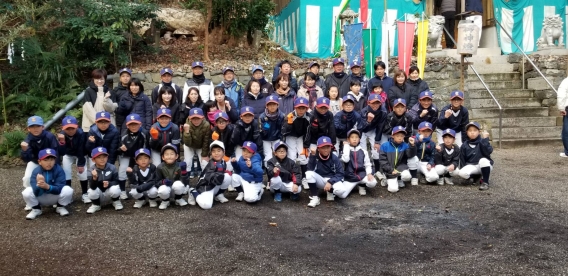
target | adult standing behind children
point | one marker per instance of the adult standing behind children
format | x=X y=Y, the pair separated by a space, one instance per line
x=415 y=83
x=562 y=103
x=136 y=102
x=338 y=78
x=94 y=98
x=255 y=99
x=198 y=80
x=284 y=67
x=358 y=74
x=286 y=94
x=266 y=87
x=401 y=90
x=233 y=89
x=381 y=78
x=112 y=98
x=314 y=68
x=448 y=10
x=167 y=98
x=166 y=75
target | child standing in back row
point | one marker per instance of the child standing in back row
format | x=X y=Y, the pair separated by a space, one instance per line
x=270 y=122
x=454 y=116
x=72 y=150
x=163 y=132
x=294 y=131
x=195 y=139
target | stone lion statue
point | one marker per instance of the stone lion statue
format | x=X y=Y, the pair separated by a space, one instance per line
x=551 y=32
x=435 y=31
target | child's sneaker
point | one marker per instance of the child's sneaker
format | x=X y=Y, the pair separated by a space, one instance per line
x=153 y=203
x=62 y=211
x=221 y=198
x=278 y=197
x=191 y=199
x=85 y=199
x=117 y=205
x=305 y=184
x=440 y=181
x=484 y=186
x=401 y=183
x=414 y=181
x=164 y=205
x=139 y=203
x=314 y=201
x=362 y=191
x=28 y=208
x=330 y=196
x=93 y=209
x=294 y=197
x=34 y=213
x=240 y=197
x=232 y=189
x=123 y=195
x=181 y=202
x=448 y=180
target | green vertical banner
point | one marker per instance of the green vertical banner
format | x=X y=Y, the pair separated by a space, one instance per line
x=369 y=39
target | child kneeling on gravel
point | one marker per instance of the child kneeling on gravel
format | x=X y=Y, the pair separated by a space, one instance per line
x=247 y=177
x=358 y=167
x=143 y=179
x=172 y=177
x=475 y=155
x=103 y=181
x=214 y=179
x=324 y=171
x=425 y=149
x=47 y=186
x=284 y=174
x=447 y=158
x=394 y=159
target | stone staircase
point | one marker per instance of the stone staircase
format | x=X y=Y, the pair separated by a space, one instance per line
x=525 y=121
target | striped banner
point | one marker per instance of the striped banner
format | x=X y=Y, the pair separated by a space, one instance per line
x=337 y=45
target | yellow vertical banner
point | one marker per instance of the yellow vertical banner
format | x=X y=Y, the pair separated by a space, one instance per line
x=422 y=46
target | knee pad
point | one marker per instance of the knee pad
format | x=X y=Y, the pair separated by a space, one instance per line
x=484 y=162
x=405 y=175
x=392 y=185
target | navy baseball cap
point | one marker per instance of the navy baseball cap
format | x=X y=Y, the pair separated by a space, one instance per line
x=133 y=118
x=475 y=124
x=399 y=101
x=279 y=144
x=196 y=112
x=348 y=98
x=44 y=153
x=222 y=115
x=450 y=132
x=272 y=99
x=456 y=93
x=324 y=141
x=355 y=63
x=228 y=68
x=313 y=63
x=425 y=125
x=98 y=151
x=257 y=67
x=338 y=60
x=102 y=116
x=425 y=94
x=69 y=121
x=142 y=151
x=374 y=98
x=250 y=146
x=163 y=112
x=35 y=121
x=353 y=131
x=168 y=146
x=197 y=64
x=247 y=110
x=125 y=70
x=322 y=102
x=398 y=129
x=166 y=71
x=300 y=102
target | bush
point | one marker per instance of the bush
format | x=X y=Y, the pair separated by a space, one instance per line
x=11 y=141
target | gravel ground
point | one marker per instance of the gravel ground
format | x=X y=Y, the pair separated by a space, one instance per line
x=518 y=227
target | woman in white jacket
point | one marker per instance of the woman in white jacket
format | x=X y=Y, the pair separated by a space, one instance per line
x=94 y=99
x=562 y=102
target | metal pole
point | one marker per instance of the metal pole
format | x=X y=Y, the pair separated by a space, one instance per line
x=68 y=107
x=525 y=55
x=523 y=68
x=500 y=127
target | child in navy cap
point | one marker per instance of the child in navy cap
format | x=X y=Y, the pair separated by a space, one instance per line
x=447 y=158
x=173 y=178
x=246 y=129
x=294 y=131
x=195 y=140
x=163 y=132
x=133 y=140
x=223 y=131
x=372 y=123
x=71 y=148
x=395 y=158
x=454 y=116
x=358 y=74
x=36 y=140
x=358 y=167
x=103 y=181
x=398 y=117
x=166 y=75
x=47 y=186
x=424 y=111
x=425 y=150
x=475 y=156
x=143 y=179
x=283 y=173
x=247 y=177
x=214 y=179
x=324 y=171
x=321 y=124
x=103 y=134
x=271 y=122
x=345 y=120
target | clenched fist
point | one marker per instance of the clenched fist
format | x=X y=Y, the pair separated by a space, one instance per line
x=94 y=174
x=424 y=113
x=92 y=139
x=186 y=128
x=448 y=113
x=24 y=146
x=411 y=141
x=123 y=148
x=485 y=134
x=129 y=170
x=61 y=138
x=370 y=117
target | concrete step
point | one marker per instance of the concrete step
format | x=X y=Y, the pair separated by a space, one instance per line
x=484 y=113
x=519 y=122
x=505 y=102
x=499 y=76
x=482 y=68
x=500 y=93
x=527 y=142
x=527 y=132
x=493 y=85
x=492 y=51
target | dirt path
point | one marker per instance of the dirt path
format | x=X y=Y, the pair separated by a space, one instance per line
x=518 y=227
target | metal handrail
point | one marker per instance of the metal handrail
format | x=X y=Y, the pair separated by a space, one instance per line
x=525 y=54
x=486 y=88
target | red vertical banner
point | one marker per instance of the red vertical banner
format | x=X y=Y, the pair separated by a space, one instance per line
x=405 y=43
x=364 y=5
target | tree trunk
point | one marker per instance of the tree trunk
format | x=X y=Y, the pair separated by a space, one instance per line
x=207 y=21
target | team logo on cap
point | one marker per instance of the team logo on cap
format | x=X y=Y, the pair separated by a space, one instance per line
x=324 y=140
x=163 y=111
x=48 y=151
x=426 y=94
x=324 y=101
x=68 y=121
x=195 y=112
x=447 y=131
x=248 y=144
x=131 y=117
x=427 y=124
x=33 y=119
x=100 y=149
x=247 y=109
x=456 y=93
x=399 y=100
x=167 y=70
x=102 y=114
x=301 y=100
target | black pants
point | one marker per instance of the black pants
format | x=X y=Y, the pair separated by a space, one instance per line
x=450 y=25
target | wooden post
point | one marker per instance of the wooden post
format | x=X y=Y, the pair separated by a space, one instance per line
x=462 y=76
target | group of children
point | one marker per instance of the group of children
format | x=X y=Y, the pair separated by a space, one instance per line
x=312 y=147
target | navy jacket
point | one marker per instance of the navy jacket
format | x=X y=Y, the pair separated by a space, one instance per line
x=271 y=128
x=392 y=121
x=225 y=137
x=473 y=5
x=457 y=123
x=156 y=92
x=176 y=113
x=426 y=150
x=447 y=156
x=247 y=132
x=133 y=142
x=386 y=82
x=252 y=174
x=331 y=167
x=472 y=151
x=74 y=146
x=342 y=83
x=212 y=175
x=286 y=103
x=109 y=173
x=139 y=104
x=168 y=134
x=141 y=182
x=357 y=163
x=360 y=101
x=54 y=177
x=320 y=125
x=290 y=171
x=363 y=80
x=376 y=125
x=298 y=127
x=293 y=82
x=116 y=96
x=395 y=156
x=109 y=141
x=417 y=86
x=45 y=140
x=258 y=103
x=345 y=121
x=431 y=117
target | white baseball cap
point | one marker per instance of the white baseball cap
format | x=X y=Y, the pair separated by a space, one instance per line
x=217 y=143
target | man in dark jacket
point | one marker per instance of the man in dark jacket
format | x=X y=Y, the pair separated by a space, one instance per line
x=166 y=75
x=266 y=87
x=314 y=67
x=285 y=67
x=381 y=78
x=338 y=78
